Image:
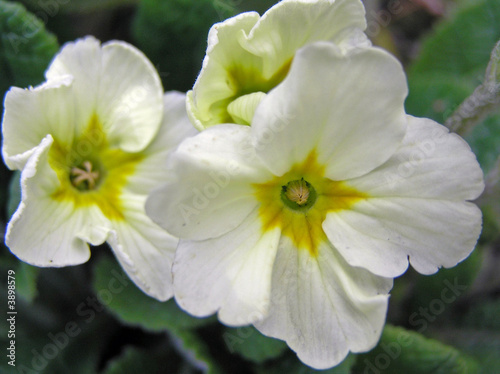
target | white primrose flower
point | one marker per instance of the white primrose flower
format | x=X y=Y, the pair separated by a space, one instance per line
x=92 y=142
x=248 y=55
x=298 y=223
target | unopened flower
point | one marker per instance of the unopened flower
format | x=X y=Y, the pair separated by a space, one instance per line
x=248 y=55
x=91 y=143
x=298 y=223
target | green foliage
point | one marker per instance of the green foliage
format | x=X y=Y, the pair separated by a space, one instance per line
x=174 y=36
x=195 y=351
x=402 y=351
x=26 y=48
x=52 y=8
x=251 y=344
x=26 y=278
x=437 y=293
x=134 y=361
x=451 y=65
x=14 y=195
x=133 y=307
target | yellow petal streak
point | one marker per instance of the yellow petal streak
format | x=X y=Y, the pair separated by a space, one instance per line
x=113 y=165
x=304 y=227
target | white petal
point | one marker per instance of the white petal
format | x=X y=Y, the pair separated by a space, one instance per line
x=119 y=84
x=152 y=171
x=46 y=232
x=322 y=307
x=291 y=24
x=416 y=208
x=144 y=250
x=230 y=274
x=243 y=108
x=431 y=163
x=223 y=52
x=213 y=191
x=30 y=114
x=349 y=108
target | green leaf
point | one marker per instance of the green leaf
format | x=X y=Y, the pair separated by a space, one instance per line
x=173 y=34
x=115 y=290
x=195 y=351
x=434 y=296
x=134 y=360
x=14 y=193
x=52 y=8
x=451 y=65
x=26 y=48
x=402 y=351
x=26 y=278
x=251 y=344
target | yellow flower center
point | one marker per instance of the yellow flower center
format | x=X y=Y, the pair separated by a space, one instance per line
x=91 y=172
x=299 y=201
x=244 y=80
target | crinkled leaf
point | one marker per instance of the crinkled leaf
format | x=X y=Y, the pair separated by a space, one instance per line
x=26 y=47
x=251 y=344
x=402 y=351
x=133 y=307
x=451 y=64
x=58 y=333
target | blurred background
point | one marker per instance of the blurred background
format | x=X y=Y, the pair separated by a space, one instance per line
x=77 y=320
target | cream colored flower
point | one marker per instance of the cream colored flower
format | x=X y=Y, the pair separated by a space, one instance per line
x=92 y=142
x=298 y=223
x=248 y=55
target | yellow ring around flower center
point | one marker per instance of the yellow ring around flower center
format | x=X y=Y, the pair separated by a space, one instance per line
x=92 y=173
x=302 y=222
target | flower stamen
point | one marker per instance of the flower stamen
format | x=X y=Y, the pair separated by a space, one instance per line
x=298 y=194
x=79 y=176
x=297 y=191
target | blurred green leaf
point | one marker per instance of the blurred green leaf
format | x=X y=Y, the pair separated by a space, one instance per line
x=58 y=333
x=292 y=365
x=251 y=344
x=483 y=316
x=133 y=307
x=133 y=361
x=402 y=351
x=433 y=296
x=26 y=281
x=26 y=48
x=52 y=8
x=173 y=34
x=482 y=344
x=195 y=351
x=14 y=193
x=451 y=65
